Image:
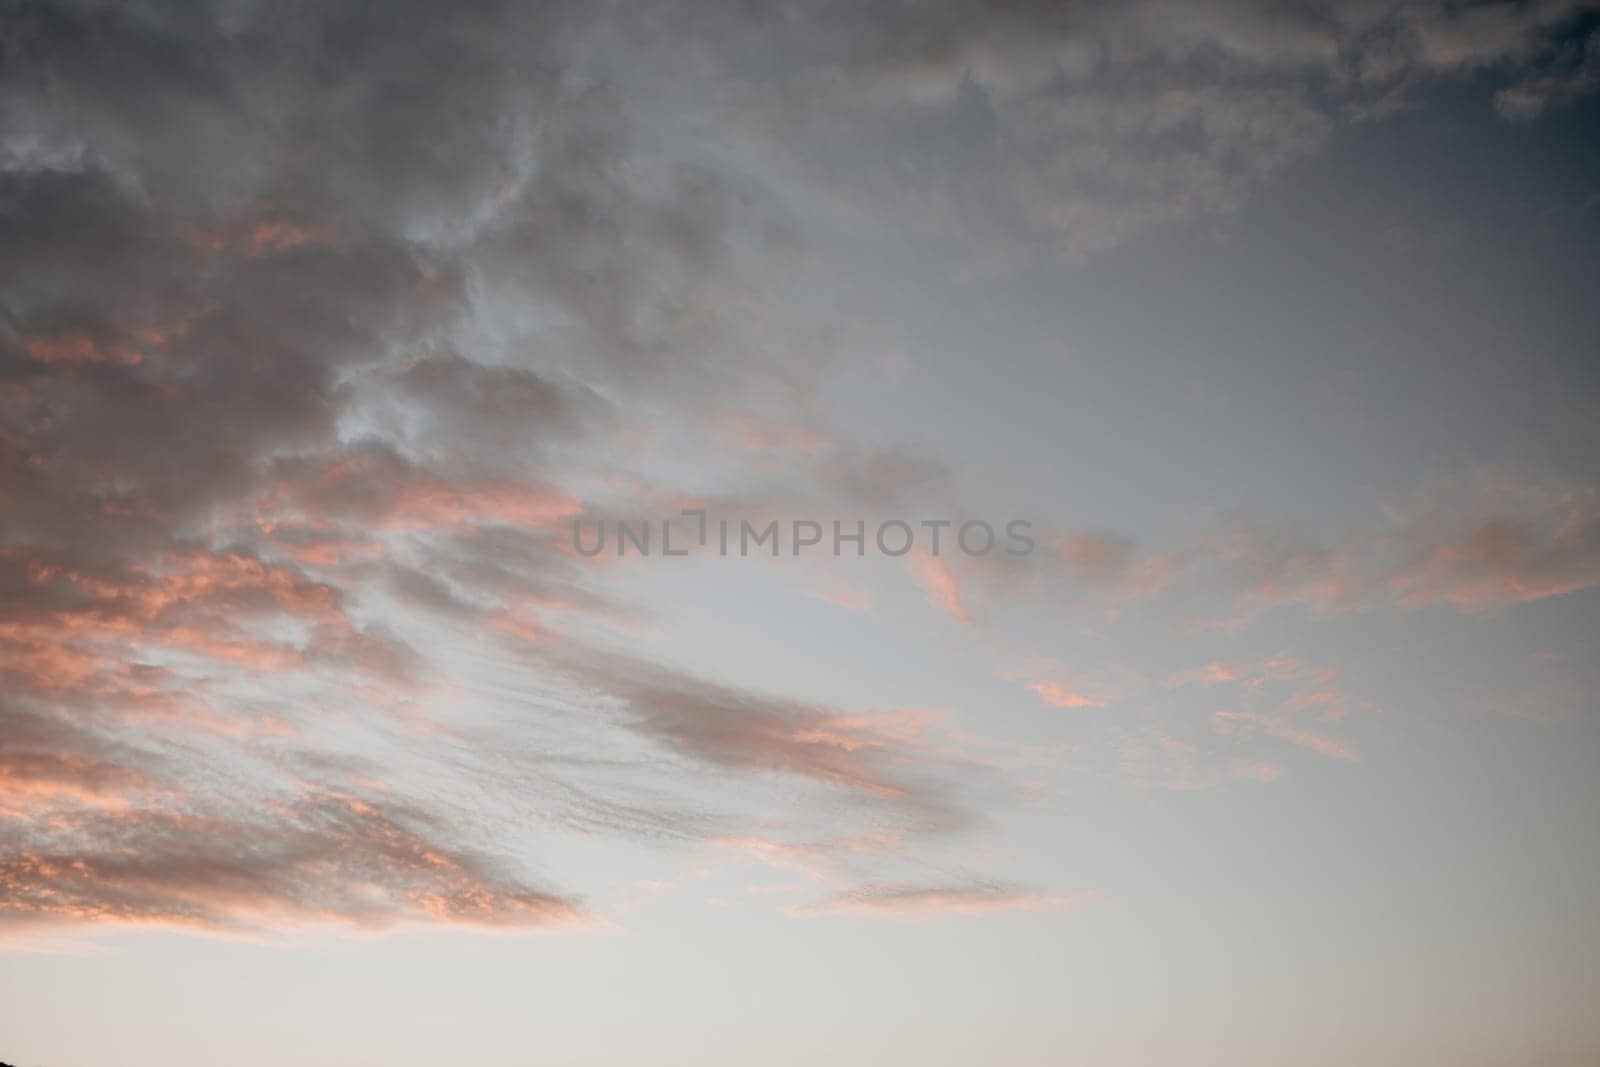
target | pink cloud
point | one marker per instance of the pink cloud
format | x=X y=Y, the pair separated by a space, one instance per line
x=892 y=900
x=81 y=348
x=940 y=582
x=262 y=236
x=1505 y=560
x=1232 y=722
x=1059 y=694
x=1157 y=759
x=324 y=857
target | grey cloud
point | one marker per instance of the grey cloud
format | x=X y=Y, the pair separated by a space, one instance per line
x=309 y=308
x=499 y=415
x=1097 y=122
x=907 y=779
x=1571 y=71
x=300 y=304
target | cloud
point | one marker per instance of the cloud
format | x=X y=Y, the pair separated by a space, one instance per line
x=1215 y=723
x=1233 y=723
x=892 y=762
x=95 y=828
x=1570 y=72
x=314 y=327
x=1153 y=758
x=1275 y=697
x=315 y=858
x=319 y=325
x=46 y=761
x=1539 y=542
x=1475 y=542
x=911 y=901
x=1252 y=674
x=1099 y=122
x=1060 y=694
x=938 y=578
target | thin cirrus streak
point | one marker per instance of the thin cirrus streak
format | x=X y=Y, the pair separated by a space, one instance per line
x=911 y=901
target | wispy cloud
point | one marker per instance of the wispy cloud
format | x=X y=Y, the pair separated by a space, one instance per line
x=914 y=901
x=939 y=580
x=311 y=352
x=314 y=858
x=1061 y=694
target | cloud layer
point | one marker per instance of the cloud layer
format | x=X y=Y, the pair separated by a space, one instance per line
x=320 y=324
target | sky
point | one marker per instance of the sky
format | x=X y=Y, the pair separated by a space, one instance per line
x=1263 y=337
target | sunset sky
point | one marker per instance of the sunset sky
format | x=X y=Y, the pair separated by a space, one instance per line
x=323 y=324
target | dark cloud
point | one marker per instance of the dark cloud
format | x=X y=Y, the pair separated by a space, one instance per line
x=1095 y=123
